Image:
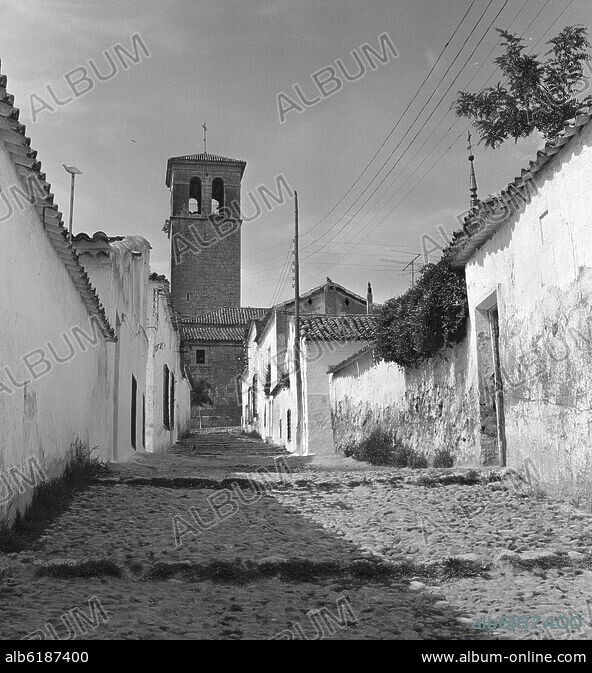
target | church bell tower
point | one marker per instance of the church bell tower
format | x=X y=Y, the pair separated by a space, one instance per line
x=205 y=231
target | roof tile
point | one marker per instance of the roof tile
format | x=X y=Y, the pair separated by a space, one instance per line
x=338 y=327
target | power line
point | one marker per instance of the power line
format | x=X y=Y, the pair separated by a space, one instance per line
x=366 y=233
x=454 y=142
x=417 y=134
x=394 y=128
x=377 y=173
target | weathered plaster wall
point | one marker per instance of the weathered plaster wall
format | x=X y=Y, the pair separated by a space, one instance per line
x=164 y=344
x=317 y=357
x=46 y=412
x=122 y=283
x=429 y=408
x=538 y=268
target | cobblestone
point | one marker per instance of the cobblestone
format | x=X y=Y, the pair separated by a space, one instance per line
x=416 y=554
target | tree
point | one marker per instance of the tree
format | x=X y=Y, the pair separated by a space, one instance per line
x=538 y=94
x=421 y=322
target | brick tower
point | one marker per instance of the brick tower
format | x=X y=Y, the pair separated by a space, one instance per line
x=205 y=232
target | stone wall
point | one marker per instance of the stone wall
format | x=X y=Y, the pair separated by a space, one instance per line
x=222 y=369
x=205 y=264
x=205 y=247
x=430 y=408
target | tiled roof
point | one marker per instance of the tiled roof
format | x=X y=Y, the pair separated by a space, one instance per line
x=338 y=327
x=101 y=244
x=192 y=332
x=206 y=156
x=203 y=156
x=28 y=169
x=485 y=219
x=228 y=316
x=351 y=358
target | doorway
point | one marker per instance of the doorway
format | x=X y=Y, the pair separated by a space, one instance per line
x=491 y=385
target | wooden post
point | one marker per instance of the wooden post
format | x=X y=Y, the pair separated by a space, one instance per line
x=297 y=354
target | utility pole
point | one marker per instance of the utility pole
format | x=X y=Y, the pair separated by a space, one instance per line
x=297 y=354
x=412 y=265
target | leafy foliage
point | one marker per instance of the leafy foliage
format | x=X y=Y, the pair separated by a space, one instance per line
x=375 y=449
x=380 y=448
x=539 y=94
x=443 y=458
x=418 y=324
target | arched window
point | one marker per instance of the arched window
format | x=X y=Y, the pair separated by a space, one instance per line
x=217 y=195
x=254 y=396
x=195 y=195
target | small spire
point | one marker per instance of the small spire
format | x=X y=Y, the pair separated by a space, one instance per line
x=369 y=299
x=474 y=202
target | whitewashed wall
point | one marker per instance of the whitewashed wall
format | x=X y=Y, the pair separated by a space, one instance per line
x=317 y=357
x=40 y=306
x=164 y=346
x=430 y=408
x=539 y=266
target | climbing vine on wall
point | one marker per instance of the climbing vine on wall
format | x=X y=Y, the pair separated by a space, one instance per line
x=431 y=315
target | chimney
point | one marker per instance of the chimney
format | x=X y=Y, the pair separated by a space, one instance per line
x=369 y=300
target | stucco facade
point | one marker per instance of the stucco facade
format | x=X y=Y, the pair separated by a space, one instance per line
x=168 y=392
x=270 y=379
x=119 y=268
x=518 y=390
x=55 y=383
x=430 y=408
x=536 y=269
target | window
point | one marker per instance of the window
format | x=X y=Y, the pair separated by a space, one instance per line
x=217 y=195
x=134 y=410
x=200 y=356
x=280 y=428
x=143 y=421
x=254 y=396
x=165 y=397
x=188 y=297
x=289 y=425
x=195 y=196
x=347 y=302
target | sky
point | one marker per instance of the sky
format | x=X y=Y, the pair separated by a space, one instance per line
x=226 y=62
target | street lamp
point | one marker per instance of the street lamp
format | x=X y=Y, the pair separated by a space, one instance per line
x=73 y=172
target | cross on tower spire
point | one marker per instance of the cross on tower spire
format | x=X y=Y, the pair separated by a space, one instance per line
x=205 y=137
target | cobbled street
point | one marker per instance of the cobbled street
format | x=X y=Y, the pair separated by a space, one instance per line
x=229 y=538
